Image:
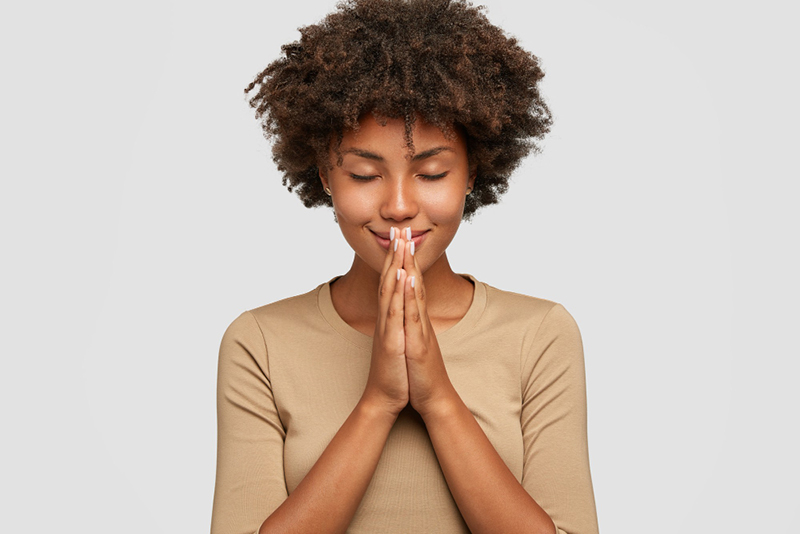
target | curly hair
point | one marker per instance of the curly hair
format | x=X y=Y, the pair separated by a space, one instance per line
x=438 y=60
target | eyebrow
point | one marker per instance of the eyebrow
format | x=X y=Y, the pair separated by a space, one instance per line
x=366 y=154
x=432 y=152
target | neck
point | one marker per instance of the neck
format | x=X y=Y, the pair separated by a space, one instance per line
x=355 y=295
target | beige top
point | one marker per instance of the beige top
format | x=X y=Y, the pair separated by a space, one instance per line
x=291 y=372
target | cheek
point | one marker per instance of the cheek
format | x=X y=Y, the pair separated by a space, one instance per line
x=446 y=207
x=353 y=209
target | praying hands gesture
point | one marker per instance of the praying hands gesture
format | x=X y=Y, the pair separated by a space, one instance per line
x=407 y=364
x=407 y=367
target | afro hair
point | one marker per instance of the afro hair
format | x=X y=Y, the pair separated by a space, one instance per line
x=441 y=61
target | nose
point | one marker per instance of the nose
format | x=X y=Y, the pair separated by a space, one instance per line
x=399 y=201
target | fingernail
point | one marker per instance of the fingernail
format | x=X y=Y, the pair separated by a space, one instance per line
x=391 y=234
x=412 y=248
x=398 y=274
x=408 y=233
x=412 y=281
x=396 y=241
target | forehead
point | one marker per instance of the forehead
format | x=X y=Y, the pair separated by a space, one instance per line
x=390 y=137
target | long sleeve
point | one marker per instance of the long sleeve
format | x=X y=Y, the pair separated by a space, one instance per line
x=556 y=458
x=250 y=480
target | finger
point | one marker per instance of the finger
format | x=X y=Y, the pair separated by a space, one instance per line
x=415 y=276
x=414 y=320
x=394 y=331
x=389 y=255
x=419 y=290
x=389 y=277
x=410 y=262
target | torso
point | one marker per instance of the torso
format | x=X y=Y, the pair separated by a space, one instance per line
x=318 y=367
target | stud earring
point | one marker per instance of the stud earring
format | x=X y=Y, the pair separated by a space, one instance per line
x=328 y=191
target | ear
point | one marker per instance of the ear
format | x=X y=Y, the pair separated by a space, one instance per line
x=473 y=173
x=323 y=178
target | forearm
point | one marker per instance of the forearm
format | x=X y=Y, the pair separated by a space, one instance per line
x=327 y=498
x=488 y=495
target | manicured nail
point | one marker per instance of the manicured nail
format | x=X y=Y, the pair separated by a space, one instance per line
x=398 y=274
x=412 y=248
x=408 y=233
x=412 y=281
x=391 y=233
x=396 y=241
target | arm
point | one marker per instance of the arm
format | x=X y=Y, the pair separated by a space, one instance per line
x=327 y=498
x=488 y=495
x=553 y=423
x=553 y=418
x=250 y=480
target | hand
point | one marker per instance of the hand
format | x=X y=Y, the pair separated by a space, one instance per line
x=387 y=384
x=429 y=386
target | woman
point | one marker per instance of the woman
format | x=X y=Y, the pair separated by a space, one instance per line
x=401 y=396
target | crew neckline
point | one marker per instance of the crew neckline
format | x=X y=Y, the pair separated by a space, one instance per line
x=466 y=323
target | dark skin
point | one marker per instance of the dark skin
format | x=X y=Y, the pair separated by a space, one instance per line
x=357 y=303
x=423 y=191
x=399 y=215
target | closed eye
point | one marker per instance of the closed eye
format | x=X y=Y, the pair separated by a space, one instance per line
x=433 y=176
x=362 y=178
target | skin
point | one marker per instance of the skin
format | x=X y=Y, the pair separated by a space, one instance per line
x=401 y=194
x=379 y=186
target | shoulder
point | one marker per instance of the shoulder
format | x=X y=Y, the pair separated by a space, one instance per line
x=288 y=309
x=277 y=315
x=538 y=320
x=530 y=309
x=551 y=344
x=516 y=301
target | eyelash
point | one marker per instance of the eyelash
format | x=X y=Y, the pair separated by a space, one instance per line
x=362 y=178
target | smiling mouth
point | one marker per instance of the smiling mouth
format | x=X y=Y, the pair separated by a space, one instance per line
x=383 y=239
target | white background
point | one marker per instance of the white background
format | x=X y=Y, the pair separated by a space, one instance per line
x=141 y=213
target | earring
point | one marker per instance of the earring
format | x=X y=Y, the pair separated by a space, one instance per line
x=328 y=191
x=469 y=190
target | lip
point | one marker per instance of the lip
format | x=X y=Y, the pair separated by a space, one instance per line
x=417 y=236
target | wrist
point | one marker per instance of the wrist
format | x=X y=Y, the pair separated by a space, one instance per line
x=442 y=406
x=378 y=410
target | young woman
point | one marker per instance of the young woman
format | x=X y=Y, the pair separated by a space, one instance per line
x=401 y=396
